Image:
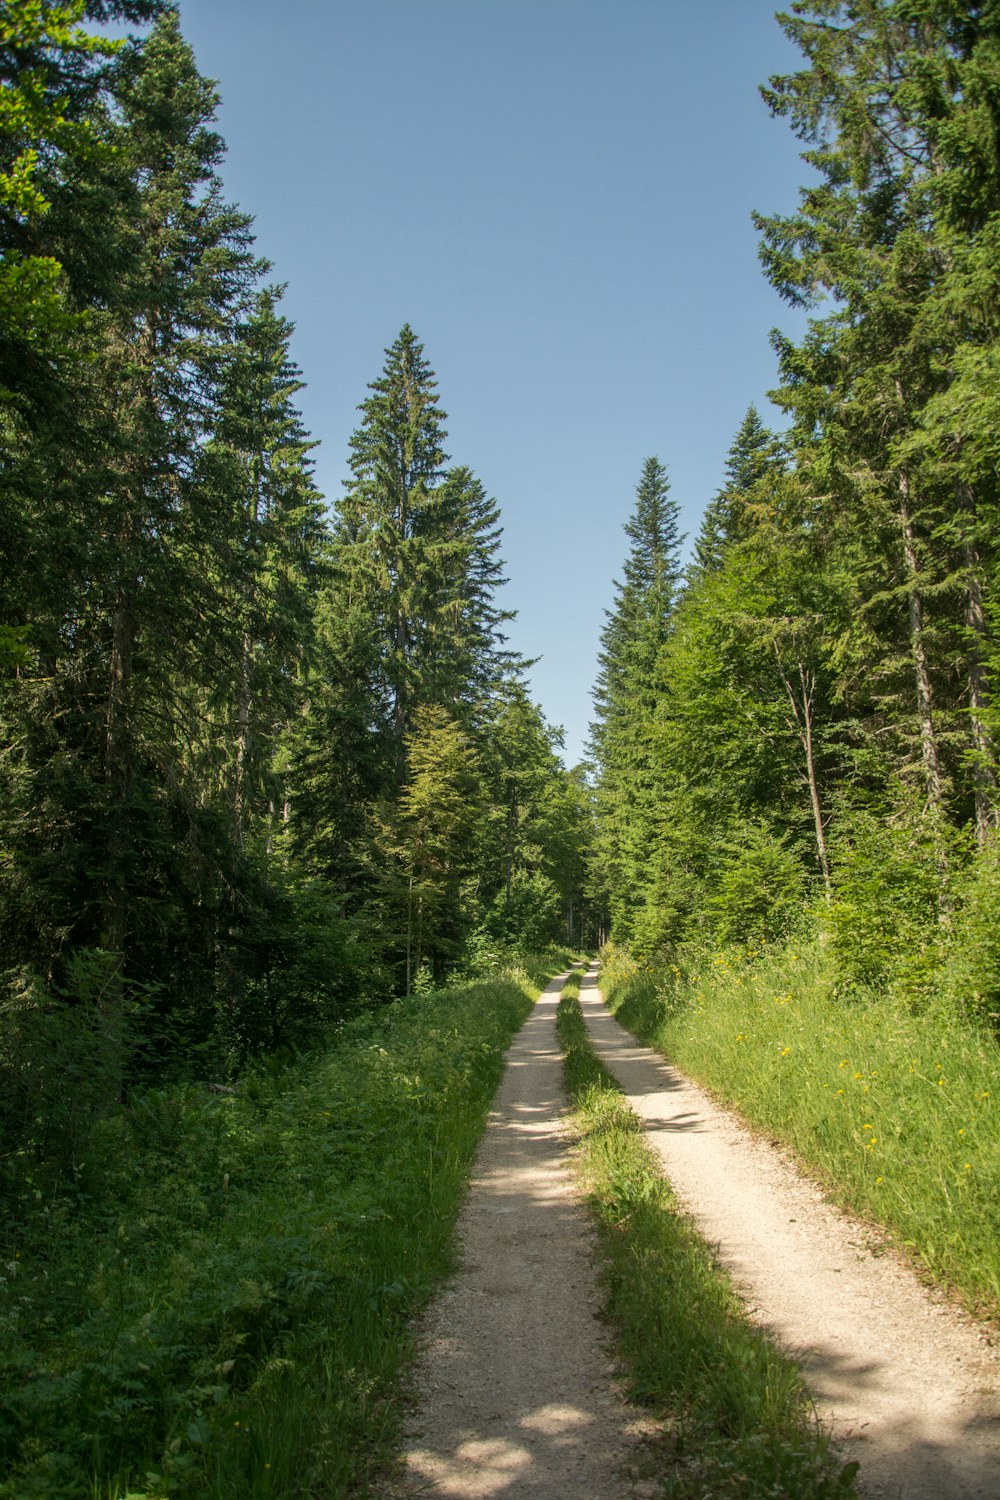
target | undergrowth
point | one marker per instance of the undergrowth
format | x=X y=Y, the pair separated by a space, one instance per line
x=219 y=1306
x=893 y=1107
x=737 y=1419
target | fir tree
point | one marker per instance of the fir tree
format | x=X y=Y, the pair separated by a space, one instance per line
x=755 y=456
x=418 y=554
x=103 y=780
x=625 y=694
x=391 y=542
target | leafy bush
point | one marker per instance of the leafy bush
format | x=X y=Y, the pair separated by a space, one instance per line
x=760 y=892
x=884 y=922
x=300 y=969
x=63 y=1058
x=971 y=977
x=532 y=918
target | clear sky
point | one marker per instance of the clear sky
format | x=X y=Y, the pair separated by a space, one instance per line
x=556 y=195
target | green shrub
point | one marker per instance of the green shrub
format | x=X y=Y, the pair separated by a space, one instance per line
x=971 y=977
x=884 y=924
x=64 y=1056
x=760 y=891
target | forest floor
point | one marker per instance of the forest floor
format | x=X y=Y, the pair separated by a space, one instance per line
x=516 y=1386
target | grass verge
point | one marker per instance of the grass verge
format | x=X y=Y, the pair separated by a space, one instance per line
x=222 y=1306
x=737 y=1419
x=895 y=1110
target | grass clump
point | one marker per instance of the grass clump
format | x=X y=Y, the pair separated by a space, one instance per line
x=738 y=1421
x=220 y=1306
x=894 y=1108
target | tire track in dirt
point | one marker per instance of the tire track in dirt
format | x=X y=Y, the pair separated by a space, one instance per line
x=910 y=1387
x=516 y=1389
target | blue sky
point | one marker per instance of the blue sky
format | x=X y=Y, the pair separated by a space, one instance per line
x=556 y=195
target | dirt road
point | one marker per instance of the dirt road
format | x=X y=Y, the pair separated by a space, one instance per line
x=516 y=1387
x=912 y=1389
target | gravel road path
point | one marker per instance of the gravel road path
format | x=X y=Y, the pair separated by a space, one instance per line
x=517 y=1394
x=516 y=1387
x=911 y=1388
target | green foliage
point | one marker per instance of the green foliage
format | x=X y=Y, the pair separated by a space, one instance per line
x=738 y=1420
x=760 y=891
x=221 y=1305
x=50 y=125
x=297 y=966
x=970 y=980
x=62 y=1055
x=883 y=923
x=893 y=1108
x=426 y=845
x=531 y=909
x=537 y=831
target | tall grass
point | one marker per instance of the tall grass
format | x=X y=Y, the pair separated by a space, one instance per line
x=738 y=1421
x=221 y=1307
x=894 y=1109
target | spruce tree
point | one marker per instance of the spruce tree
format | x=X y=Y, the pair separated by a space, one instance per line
x=104 y=778
x=391 y=544
x=754 y=457
x=899 y=122
x=625 y=695
x=269 y=544
x=417 y=555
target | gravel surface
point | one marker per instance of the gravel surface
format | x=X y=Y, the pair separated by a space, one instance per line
x=911 y=1387
x=516 y=1387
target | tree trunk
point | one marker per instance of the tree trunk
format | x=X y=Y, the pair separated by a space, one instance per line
x=925 y=696
x=409 y=935
x=118 y=769
x=984 y=774
x=802 y=713
x=242 y=740
x=243 y=690
x=511 y=842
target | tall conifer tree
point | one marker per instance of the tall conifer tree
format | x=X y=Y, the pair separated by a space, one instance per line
x=103 y=781
x=625 y=695
x=900 y=125
x=755 y=455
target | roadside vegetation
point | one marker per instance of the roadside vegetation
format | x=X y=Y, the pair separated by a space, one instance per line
x=217 y=1303
x=892 y=1105
x=737 y=1420
x=797 y=779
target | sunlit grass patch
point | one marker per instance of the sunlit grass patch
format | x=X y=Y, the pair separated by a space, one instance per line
x=737 y=1419
x=894 y=1109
